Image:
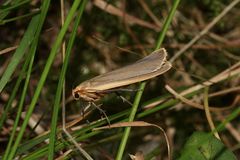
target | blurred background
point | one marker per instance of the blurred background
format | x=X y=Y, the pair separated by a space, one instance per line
x=113 y=34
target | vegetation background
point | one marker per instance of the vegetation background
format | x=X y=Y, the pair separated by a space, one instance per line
x=48 y=48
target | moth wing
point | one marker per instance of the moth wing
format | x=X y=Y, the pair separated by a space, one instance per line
x=165 y=67
x=143 y=69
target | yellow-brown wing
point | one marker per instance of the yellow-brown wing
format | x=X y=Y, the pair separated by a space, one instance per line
x=150 y=66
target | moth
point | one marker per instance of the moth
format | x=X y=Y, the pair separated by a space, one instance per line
x=149 y=67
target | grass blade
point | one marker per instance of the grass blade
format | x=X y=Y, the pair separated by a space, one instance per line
x=142 y=86
x=56 y=107
x=23 y=47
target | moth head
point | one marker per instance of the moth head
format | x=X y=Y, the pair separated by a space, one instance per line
x=86 y=95
x=76 y=95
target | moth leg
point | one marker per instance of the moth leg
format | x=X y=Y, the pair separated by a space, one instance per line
x=70 y=137
x=102 y=111
x=85 y=109
x=123 y=98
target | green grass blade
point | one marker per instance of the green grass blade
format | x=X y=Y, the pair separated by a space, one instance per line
x=142 y=86
x=166 y=23
x=81 y=134
x=23 y=47
x=13 y=94
x=234 y=114
x=61 y=81
x=45 y=72
x=6 y=8
x=18 y=17
x=21 y=103
x=13 y=6
x=38 y=26
x=131 y=118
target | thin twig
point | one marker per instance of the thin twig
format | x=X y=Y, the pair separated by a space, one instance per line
x=129 y=18
x=9 y=49
x=191 y=103
x=150 y=13
x=205 y=30
x=85 y=154
x=225 y=91
x=232 y=71
x=208 y=114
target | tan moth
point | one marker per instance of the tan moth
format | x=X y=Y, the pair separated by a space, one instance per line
x=149 y=67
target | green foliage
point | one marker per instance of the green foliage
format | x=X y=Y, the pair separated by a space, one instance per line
x=204 y=146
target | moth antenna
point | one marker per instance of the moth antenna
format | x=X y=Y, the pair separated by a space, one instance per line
x=115 y=46
x=74 y=83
